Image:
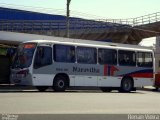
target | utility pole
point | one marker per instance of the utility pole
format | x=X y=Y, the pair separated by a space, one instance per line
x=67 y=19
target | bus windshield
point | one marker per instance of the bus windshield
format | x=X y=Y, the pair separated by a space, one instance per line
x=24 y=55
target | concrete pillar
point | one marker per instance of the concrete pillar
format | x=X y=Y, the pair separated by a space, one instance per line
x=157 y=55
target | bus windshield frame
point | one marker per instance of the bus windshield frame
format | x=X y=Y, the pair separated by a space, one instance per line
x=24 y=55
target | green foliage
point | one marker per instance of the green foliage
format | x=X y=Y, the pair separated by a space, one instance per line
x=3 y=51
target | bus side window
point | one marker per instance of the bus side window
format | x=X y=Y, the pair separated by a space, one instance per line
x=107 y=56
x=127 y=58
x=144 y=59
x=64 y=53
x=43 y=56
x=86 y=55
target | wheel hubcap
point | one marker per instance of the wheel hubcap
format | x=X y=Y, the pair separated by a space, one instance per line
x=127 y=85
x=61 y=84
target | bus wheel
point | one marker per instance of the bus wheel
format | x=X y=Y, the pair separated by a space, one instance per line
x=59 y=84
x=42 y=88
x=126 y=85
x=156 y=89
x=105 y=89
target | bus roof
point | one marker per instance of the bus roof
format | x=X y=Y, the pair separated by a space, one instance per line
x=92 y=43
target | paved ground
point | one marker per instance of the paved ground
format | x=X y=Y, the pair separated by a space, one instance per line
x=20 y=101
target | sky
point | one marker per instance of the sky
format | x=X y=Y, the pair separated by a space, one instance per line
x=91 y=9
x=99 y=9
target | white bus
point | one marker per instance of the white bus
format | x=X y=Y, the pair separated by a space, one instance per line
x=64 y=62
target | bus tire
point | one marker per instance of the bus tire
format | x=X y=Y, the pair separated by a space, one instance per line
x=42 y=88
x=105 y=89
x=156 y=89
x=59 y=84
x=126 y=85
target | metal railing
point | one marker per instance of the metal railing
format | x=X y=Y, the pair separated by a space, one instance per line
x=147 y=19
x=142 y=20
x=76 y=24
x=54 y=25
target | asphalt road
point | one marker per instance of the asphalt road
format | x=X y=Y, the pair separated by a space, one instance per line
x=78 y=102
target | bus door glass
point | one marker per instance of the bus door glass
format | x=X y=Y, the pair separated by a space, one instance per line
x=41 y=73
x=43 y=56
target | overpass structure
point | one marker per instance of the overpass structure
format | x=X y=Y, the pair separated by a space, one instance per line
x=130 y=31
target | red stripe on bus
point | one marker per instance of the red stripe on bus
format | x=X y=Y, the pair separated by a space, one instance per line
x=105 y=70
x=142 y=75
x=113 y=69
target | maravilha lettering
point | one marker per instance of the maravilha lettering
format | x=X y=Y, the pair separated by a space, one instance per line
x=91 y=70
